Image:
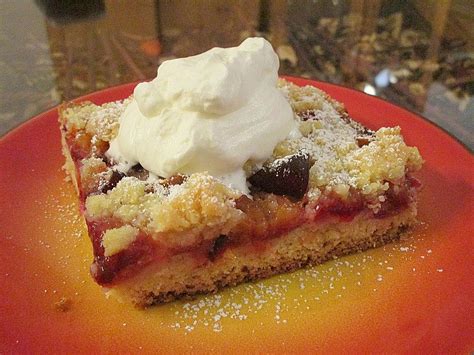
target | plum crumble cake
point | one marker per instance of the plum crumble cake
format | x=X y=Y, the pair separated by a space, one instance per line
x=336 y=188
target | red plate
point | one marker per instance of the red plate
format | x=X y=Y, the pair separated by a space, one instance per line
x=413 y=296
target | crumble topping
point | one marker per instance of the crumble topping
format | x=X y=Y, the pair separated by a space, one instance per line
x=99 y=121
x=201 y=200
x=332 y=141
x=201 y=204
x=387 y=158
x=343 y=165
x=117 y=239
x=124 y=202
x=302 y=99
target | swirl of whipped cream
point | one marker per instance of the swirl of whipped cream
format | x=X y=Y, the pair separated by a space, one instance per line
x=207 y=113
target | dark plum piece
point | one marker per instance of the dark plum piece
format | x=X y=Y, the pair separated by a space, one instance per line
x=307 y=115
x=361 y=141
x=138 y=171
x=113 y=181
x=218 y=247
x=288 y=176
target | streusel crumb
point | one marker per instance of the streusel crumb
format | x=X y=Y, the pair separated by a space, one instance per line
x=332 y=141
x=117 y=239
x=100 y=121
x=200 y=205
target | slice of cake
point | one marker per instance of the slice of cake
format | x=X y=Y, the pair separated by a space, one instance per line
x=190 y=187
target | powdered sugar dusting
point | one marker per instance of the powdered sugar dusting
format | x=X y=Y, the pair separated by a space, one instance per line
x=344 y=154
x=279 y=301
x=324 y=143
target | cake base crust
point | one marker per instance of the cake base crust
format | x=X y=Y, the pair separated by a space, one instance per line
x=185 y=277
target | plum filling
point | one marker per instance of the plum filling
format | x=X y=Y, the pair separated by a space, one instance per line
x=346 y=212
x=81 y=145
x=109 y=269
x=398 y=197
x=113 y=181
x=288 y=176
x=139 y=172
x=218 y=247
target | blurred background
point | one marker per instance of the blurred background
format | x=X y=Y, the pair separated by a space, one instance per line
x=418 y=54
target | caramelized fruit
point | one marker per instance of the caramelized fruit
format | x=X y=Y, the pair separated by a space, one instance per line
x=288 y=176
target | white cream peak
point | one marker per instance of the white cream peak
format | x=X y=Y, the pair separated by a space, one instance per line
x=207 y=113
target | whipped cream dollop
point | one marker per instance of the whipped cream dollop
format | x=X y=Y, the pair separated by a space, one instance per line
x=207 y=113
